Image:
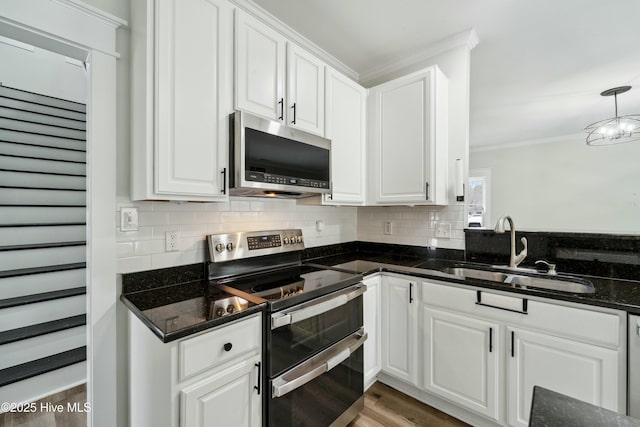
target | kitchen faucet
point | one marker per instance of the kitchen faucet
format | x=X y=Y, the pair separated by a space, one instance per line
x=514 y=259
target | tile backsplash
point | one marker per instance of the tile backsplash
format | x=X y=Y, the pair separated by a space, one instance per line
x=144 y=249
x=412 y=225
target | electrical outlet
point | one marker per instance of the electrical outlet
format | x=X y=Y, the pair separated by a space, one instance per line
x=443 y=230
x=171 y=241
x=388 y=229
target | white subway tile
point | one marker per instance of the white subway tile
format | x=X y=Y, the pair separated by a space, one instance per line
x=124 y=250
x=149 y=247
x=153 y=218
x=133 y=264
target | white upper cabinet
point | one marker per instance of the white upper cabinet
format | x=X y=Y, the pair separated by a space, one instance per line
x=262 y=76
x=181 y=99
x=260 y=68
x=345 y=126
x=305 y=90
x=408 y=136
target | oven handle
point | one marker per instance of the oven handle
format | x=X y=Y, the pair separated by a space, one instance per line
x=318 y=307
x=319 y=364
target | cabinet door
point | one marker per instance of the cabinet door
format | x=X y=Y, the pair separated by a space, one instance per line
x=192 y=67
x=260 y=68
x=586 y=372
x=305 y=78
x=399 y=336
x=227 y=399
x=372 y=325
x=409 y=139
x=345 y=124
x=461 y=359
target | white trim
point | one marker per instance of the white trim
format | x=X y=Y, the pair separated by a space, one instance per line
x=468 y=38
x=524 y=143
x=261 y=14
x=79 y=26
x=94 y=12
x=15 y=43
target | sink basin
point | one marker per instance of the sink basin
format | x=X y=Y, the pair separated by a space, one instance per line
x=472 y=273
x=559 y=283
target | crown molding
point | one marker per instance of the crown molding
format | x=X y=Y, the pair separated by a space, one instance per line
x=468 y=38
x=528 y=142
x=94 y=12
x=263 y=15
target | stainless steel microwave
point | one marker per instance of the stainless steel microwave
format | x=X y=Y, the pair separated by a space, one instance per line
x=270 y=159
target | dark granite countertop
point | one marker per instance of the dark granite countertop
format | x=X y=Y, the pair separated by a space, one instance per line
x=551 y=409
x=611 y=293
x=179 y=310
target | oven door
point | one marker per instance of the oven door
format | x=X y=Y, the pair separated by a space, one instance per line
x=322 y=391
x=300 y=332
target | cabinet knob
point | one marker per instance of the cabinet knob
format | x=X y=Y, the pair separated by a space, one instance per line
x=227 y=346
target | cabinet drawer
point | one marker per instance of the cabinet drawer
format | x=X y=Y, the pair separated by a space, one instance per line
x=219 y=346
x=591 y=326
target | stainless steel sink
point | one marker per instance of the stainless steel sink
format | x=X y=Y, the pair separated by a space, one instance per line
x=472 y=273
x=559 y=283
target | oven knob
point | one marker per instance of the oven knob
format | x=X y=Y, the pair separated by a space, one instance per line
x=230 y=309
x=220 y=312
x=229 y=246
x=285 y=240
x=299 y=239
x=220 y=247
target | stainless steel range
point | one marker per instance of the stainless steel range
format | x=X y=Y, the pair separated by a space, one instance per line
x=313 y=331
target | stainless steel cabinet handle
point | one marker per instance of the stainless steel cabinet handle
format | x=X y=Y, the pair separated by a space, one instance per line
x=224 y=181
x=410 y=293
x=325 y=304
x=317 y=365
x=294 y=113
x=281 y=102
x=426 y=185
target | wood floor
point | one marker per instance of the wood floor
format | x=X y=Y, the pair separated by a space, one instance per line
x=386 y=407
x=47 y=414
x=383 y=407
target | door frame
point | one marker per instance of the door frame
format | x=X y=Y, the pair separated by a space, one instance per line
x=77 y=30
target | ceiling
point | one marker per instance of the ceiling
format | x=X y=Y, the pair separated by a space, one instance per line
x=536 y=73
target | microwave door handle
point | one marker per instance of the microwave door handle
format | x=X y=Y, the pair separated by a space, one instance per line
x=290 y=317
x=320 y=364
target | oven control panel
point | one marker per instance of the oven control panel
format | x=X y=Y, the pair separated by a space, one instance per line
x=232 y=246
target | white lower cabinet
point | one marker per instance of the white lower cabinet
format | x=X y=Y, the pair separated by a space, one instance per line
x=399 y=328
x=372 y=326
x=477 y=354
x=210 y=378
x=485 y=351
x=461 y=356
x=584 y=371
x=209 y=401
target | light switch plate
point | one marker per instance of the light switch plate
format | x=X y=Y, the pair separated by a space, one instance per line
x=128 y=219
x=388 y=227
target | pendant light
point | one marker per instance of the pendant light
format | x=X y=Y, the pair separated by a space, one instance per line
x=616 y=130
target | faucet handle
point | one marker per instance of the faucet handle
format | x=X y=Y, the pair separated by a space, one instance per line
x=523 y=254
x=551 y=267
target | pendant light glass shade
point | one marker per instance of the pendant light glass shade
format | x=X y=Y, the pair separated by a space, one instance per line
x=616 y=130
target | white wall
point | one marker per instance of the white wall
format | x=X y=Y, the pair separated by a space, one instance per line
x=37 y=70
x=565 y=185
